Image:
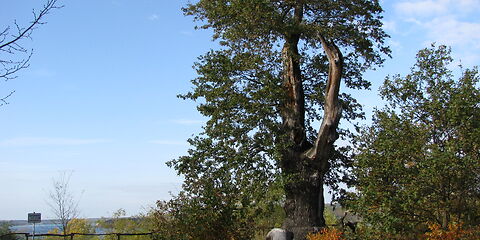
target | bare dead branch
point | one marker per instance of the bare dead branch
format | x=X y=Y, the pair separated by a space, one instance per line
x=13 y=55
x=11 y=67
x=3 y=101
x=26 y=32
x=62 y=202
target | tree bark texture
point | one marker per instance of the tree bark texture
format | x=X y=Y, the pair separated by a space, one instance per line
x=305 y=163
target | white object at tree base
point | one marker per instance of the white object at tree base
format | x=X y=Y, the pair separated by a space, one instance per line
x=279 y=234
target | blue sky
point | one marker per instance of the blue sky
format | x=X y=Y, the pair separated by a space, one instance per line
x=100 y=95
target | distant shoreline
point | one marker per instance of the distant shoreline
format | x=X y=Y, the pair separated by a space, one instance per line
x=22 y=226
x=46 y=221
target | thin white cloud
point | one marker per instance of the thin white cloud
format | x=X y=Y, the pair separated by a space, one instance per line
x=169 y=142
x=466 y=58
x=450 y=22
x=422 y=8
x=153 y=17
x=430 y=8
x=390 y=26
x=42 y=72
x=394 y=43
x=450 y=31
x=188 y=121
x=396 y=46
x=413 y=20
x=186 y=33
x=41 y=141
x=468 y=5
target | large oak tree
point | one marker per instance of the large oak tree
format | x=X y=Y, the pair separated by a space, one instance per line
x=275 y=78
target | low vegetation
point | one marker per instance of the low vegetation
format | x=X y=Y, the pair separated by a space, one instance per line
x=4 y=230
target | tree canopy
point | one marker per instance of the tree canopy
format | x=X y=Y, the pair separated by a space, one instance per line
x=276 y=75
x=419 y=162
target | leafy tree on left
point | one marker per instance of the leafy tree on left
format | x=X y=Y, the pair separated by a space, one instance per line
x=4 y=230
x=13 y=55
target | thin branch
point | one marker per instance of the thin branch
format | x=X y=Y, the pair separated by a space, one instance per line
x=3 y=101
x=253 y=79
x=10 y=47
x=9 y=72
x=62 y=202
x=51 y=4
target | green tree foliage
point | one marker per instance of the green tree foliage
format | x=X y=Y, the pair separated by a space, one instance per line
x=216 y=216
x=193 y=219
x=277 y=71
x=119 y=223
x=4 y=230
x=419 y=162
x=76 y=225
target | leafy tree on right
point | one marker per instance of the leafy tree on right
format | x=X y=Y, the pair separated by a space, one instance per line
x=418 y=163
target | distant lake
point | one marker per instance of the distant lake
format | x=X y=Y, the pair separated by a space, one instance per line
x=41 y=228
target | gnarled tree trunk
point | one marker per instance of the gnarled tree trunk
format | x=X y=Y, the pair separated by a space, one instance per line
x=305 y=163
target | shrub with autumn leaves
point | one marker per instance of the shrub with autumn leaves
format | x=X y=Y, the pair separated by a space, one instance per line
x=455 y=231
x=326 y=234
